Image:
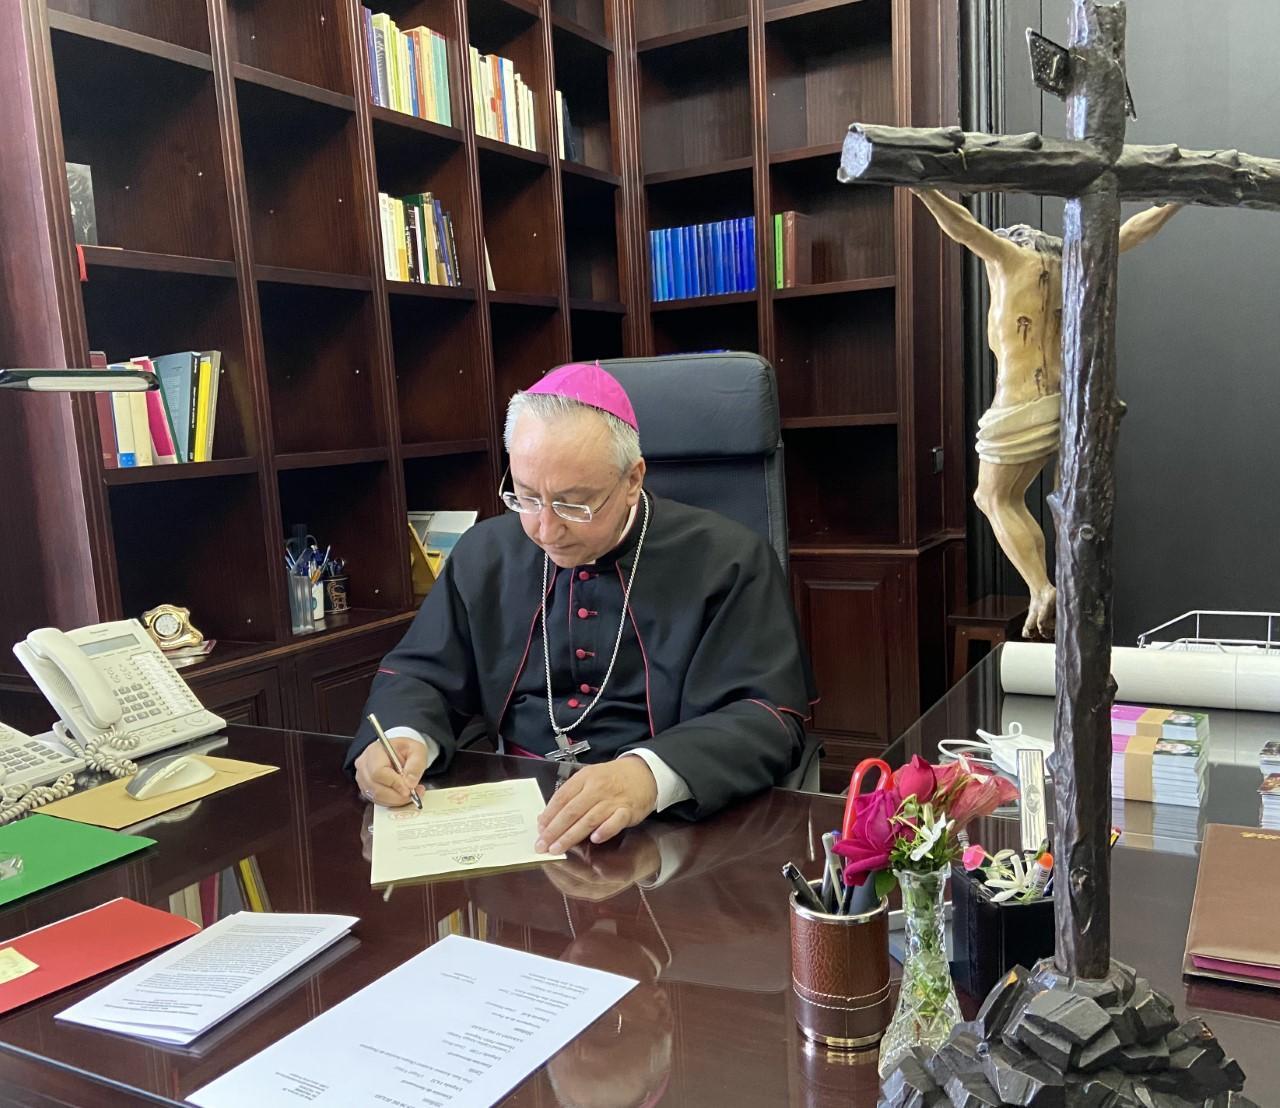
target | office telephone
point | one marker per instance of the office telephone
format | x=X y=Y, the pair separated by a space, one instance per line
x=33 y=771
x=115 y=693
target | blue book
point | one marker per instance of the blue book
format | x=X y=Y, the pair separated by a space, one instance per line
x=734 y=229
x=708 y=259
x=413 y=77
x=678 y=285
x=655 y=267
x=668 y=264
x=695 y=249
x=751 y=254
x=176 y=374
x=719 y=285
x=366 y=17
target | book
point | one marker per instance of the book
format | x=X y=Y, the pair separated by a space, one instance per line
x=84 y=218
x=204 y=396
x=106 y=421
x=797 y=250
x=175 y=373
x=1232 y=934
x=1269 y=757
x=122 y=427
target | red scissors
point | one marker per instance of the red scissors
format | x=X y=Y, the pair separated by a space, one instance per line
x=855 y=787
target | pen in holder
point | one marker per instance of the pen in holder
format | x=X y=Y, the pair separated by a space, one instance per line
x=840 y=974
x=990 y=939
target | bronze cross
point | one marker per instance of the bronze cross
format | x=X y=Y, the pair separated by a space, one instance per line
x=1094 y=170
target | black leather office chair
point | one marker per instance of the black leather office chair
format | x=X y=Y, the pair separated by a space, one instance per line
x=712 y=437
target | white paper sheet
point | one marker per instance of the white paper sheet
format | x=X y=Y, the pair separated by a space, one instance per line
x=457 y=1026
x=470 y=827
x=179 y=995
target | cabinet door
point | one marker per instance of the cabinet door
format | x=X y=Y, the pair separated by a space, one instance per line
x=252 y=698
x=333 y=681
x=858 y=619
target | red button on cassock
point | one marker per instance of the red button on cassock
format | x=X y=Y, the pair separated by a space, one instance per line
x=579 y=653
x=584 y=688
x=574 y=703
x=583 y=575
x=583 y=613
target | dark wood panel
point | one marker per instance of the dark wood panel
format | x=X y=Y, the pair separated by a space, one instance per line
x=519 y=217
x=695 y=103
x=664 y=17
x=333 y=682
x=526 y=343
x=836 y=356
x=307 y=42
x=591 y=214
x=439 y=378
x=253 y=698
x=181 y=22
x=842 y=485
x=857 y=616
x=586 y=13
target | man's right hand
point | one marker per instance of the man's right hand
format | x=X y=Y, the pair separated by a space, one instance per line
x=377 y=778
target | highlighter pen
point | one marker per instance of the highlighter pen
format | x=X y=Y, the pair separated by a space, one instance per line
x=805 y=895
x=393 y=756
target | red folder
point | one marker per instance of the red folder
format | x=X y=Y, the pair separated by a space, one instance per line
x=83 y=946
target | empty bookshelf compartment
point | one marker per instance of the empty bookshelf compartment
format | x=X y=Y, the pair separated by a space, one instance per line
x=596 y=335
x=351 y=508
x=439 y=375
x=196 y=544
x=139 y=313
x=835 y=357
x=527 y=342
x=147 y=127
x=591 y=238
x=305 y=202
x=320 y=351
x=519 y=225
x=180 y=22
x=842 y=485
x=457 y=483
x=586 y=13
x=826 y=69
x=656 y=18
x=695 y=103
x=304 y=42
x=701 y=328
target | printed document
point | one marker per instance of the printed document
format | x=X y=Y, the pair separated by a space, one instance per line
x=457 y=1026
x=473 y=827
x=181 y=994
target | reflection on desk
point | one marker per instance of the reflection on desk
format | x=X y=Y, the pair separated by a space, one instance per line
x=697 y=913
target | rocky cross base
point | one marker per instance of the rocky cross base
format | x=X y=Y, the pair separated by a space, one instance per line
x=1043 y=1040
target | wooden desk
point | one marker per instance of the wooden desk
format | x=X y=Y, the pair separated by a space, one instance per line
x=711 y=1023
x=993 y=620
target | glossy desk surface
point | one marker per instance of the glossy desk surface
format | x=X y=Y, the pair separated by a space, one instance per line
x=710 y=1024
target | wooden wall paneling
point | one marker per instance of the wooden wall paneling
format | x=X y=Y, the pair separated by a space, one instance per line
x=181 y=22
x=275 y=616
x=656 y=18
x=639 y=335
x=253 y=697
x=333 y=681
x=766 y=341
x=303 y=42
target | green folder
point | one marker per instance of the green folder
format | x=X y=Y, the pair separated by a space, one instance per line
x=54 y=850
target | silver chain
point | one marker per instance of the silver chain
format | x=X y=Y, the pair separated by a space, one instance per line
x=622 y=623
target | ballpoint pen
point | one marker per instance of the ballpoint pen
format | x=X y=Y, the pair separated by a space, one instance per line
x=832 y=885
x=393 y=756
x=805 y=896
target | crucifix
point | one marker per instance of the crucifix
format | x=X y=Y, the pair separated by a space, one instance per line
x=1094 y=170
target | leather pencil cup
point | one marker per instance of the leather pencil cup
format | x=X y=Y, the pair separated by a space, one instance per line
x=840 y=975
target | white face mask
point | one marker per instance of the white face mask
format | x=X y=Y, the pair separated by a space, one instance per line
x=997 y=751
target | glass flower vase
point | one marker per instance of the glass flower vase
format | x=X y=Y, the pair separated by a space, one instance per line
x=927 y=1005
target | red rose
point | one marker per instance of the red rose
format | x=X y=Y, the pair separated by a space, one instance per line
x=868 y=845
x=916 y=779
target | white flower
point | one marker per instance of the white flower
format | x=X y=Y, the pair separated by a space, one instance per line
x=930 y=832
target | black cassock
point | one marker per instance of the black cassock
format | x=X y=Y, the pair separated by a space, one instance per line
x=710 y=675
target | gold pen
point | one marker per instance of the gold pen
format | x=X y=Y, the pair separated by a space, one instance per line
x=395 y=758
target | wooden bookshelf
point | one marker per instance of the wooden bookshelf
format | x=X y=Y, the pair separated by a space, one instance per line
x=742 y=109
x=237 y=159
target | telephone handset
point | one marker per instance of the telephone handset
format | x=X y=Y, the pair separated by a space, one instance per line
x=111 y=686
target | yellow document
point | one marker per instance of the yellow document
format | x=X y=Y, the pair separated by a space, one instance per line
x=110 y=806
x=14 y=965
x=474 y=827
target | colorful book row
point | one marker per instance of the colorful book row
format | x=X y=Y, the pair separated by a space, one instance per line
x=417 y=240
x=705 y=259
x=408 y=70
x=792 y=250
x=503 y=102
x=163 y=427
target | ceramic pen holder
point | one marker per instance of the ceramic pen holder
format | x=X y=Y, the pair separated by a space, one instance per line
x=989 y=939
x=840 y=975
x=335 y=594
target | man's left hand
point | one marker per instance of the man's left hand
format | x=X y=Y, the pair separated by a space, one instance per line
x=598 y=801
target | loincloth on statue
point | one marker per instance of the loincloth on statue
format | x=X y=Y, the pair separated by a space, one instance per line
x=1020 y=433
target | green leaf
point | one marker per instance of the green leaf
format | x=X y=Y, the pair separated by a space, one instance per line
x=885 y=881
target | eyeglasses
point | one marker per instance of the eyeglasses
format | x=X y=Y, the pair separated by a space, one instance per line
x=571 y=513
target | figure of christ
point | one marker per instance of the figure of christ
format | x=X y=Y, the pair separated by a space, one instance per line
x=1019 y=432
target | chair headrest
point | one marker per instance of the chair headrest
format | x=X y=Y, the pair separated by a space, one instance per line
x=702 y=405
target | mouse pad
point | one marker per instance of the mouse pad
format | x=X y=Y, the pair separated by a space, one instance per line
x=110 y=806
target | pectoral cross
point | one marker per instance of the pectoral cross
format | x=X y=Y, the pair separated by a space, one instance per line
x=1095 y=171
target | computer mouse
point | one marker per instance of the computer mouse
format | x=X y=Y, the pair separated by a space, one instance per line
x=168 y=775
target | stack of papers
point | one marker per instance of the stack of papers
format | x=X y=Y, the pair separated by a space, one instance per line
x=1159 y=755
x=1159 y=723
x=1270 y=793
x=178 y=996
